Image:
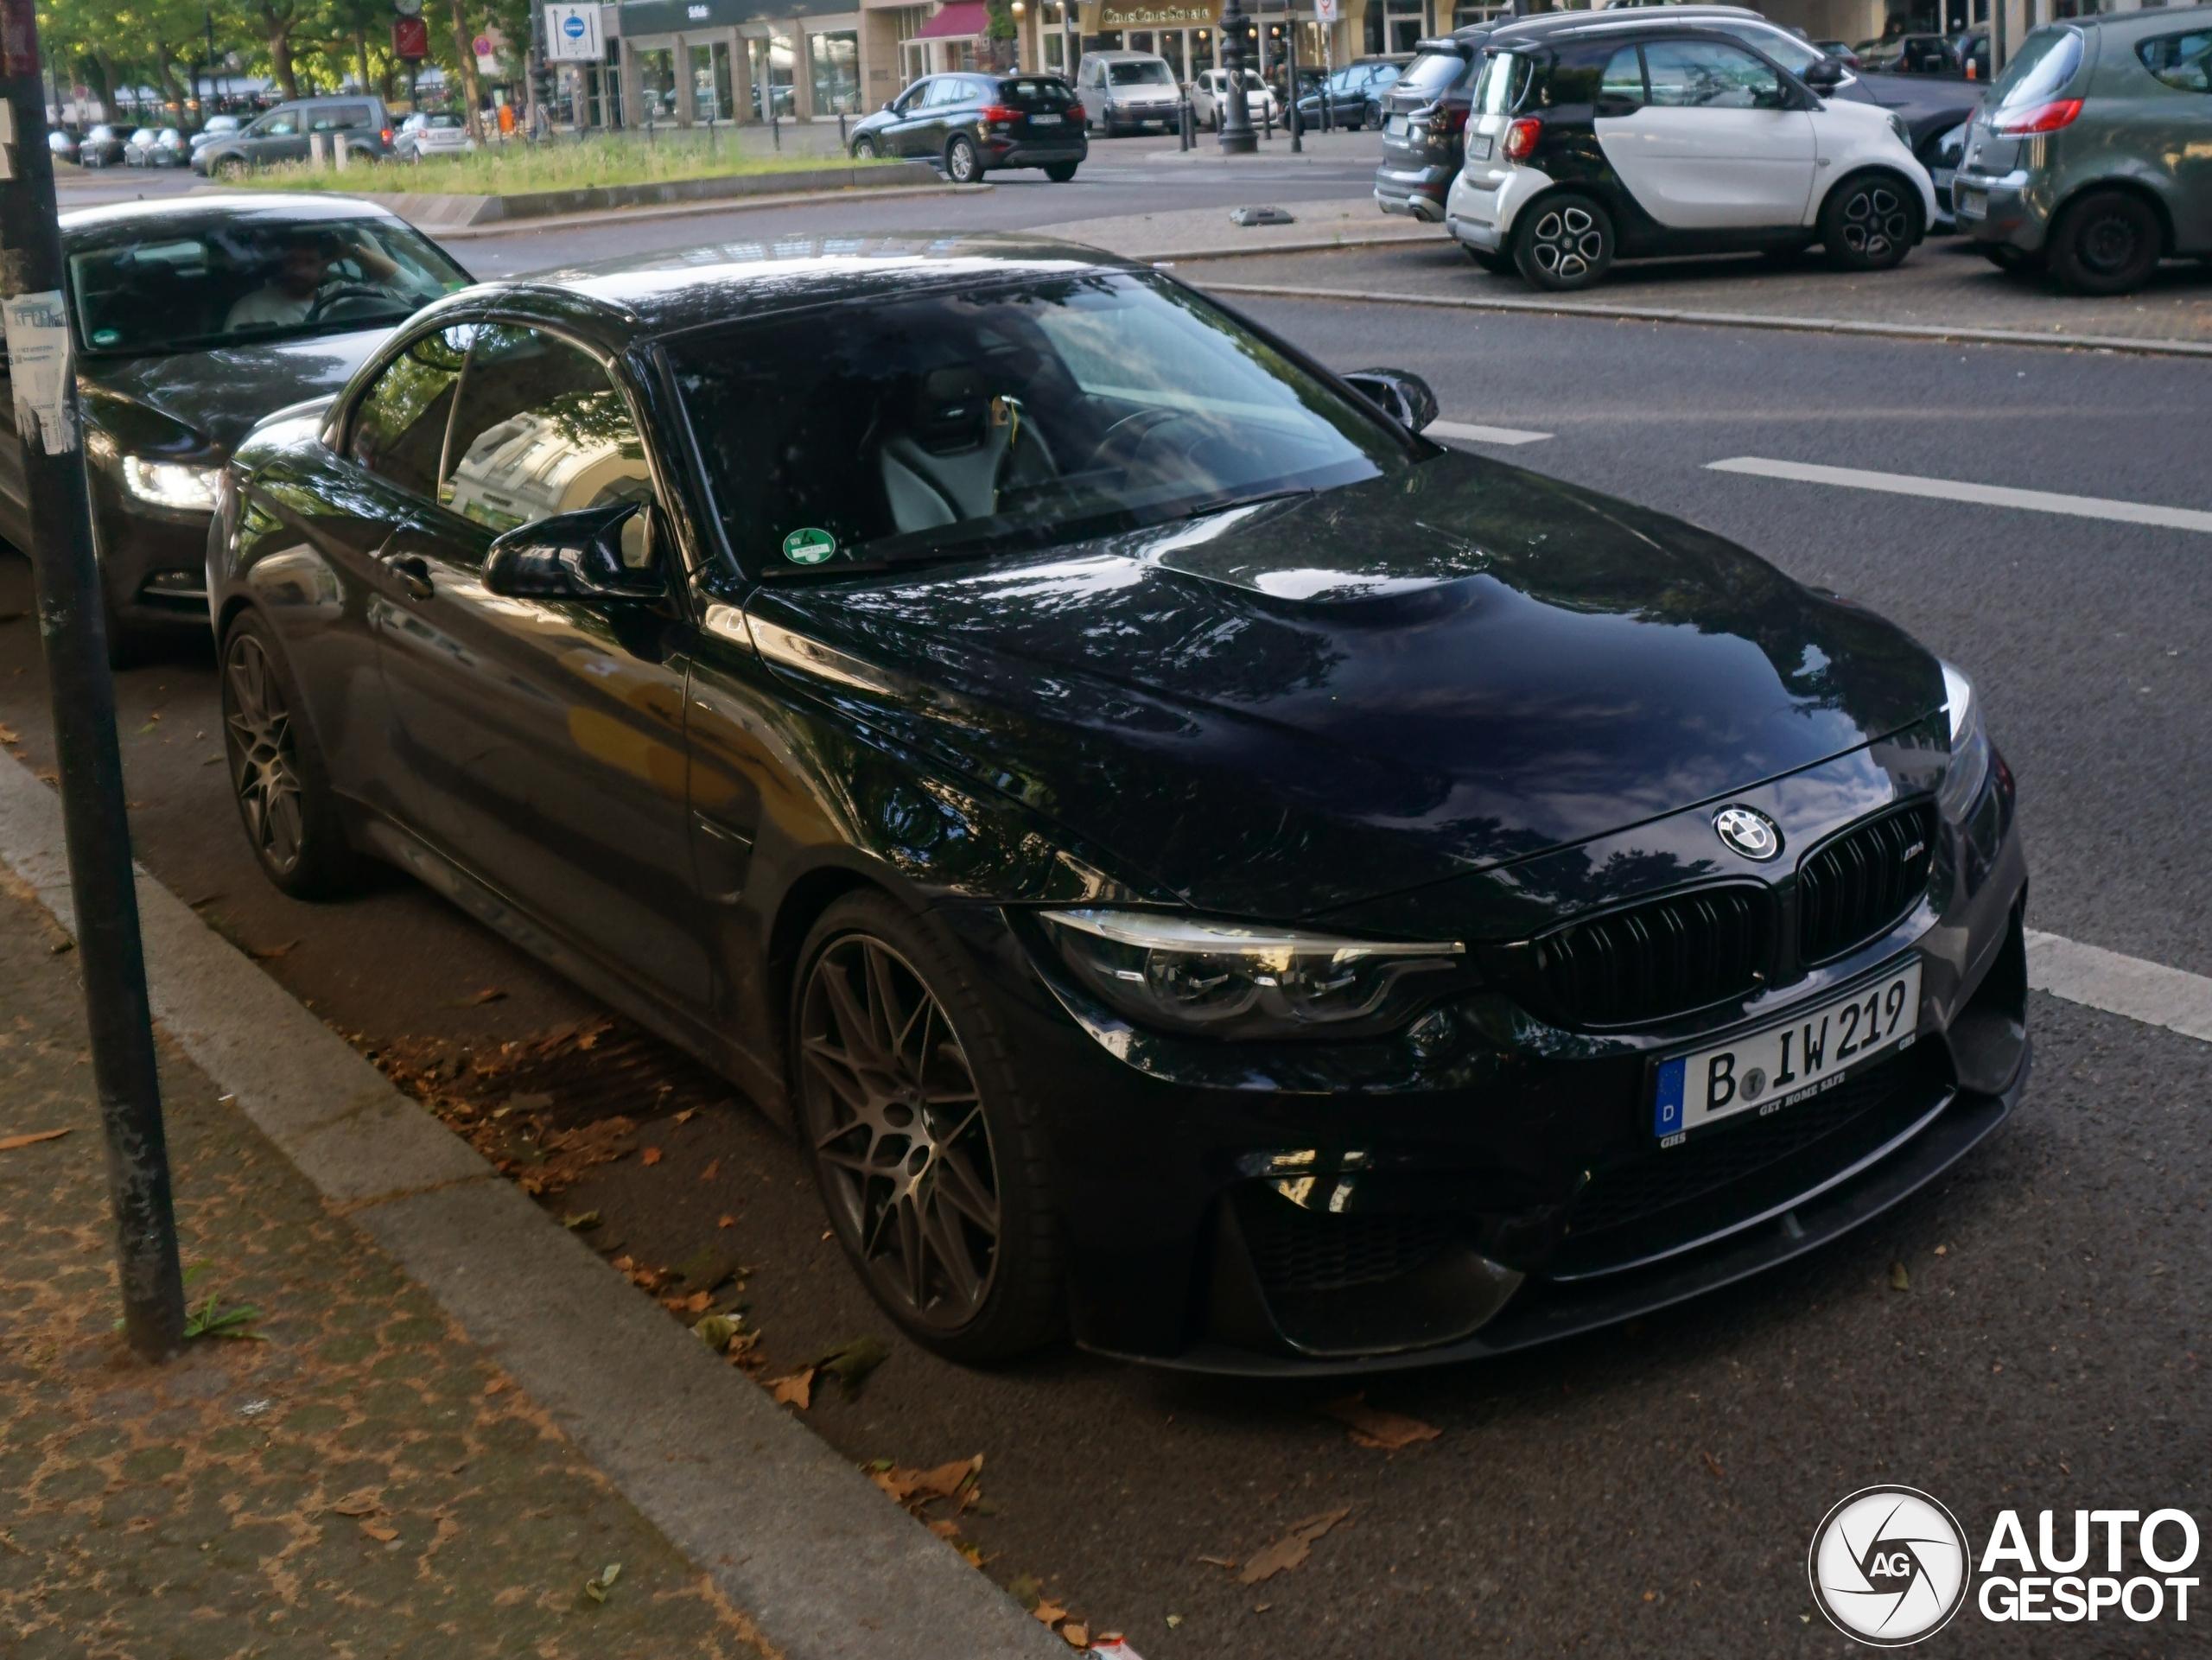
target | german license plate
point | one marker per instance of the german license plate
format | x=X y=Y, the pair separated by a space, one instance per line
x=1043 y=121
x=1479 y=147
x=1969 y=204
x=1396 y=125
x=1775 y=1067
x=1943 y=176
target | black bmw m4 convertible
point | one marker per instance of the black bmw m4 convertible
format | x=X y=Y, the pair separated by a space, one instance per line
x=1196 y=864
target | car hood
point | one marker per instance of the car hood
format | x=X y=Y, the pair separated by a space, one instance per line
x=201 y=404
x=1284 y=708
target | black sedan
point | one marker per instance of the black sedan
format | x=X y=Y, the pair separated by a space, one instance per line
x=971 y=124
x=193 y=319
x=1193 y=862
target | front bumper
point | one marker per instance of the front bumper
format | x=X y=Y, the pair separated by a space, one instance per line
x=1144 y=117
x=153 y=560
x=1356 y=1207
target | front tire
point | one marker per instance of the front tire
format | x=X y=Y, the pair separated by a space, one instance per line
x=231 y=167
x=2108 y=242
x=1563 y=243
x=278 y=775
x=962 y=164
x=1870 y=223
x=930 y=1156
x=864 y=149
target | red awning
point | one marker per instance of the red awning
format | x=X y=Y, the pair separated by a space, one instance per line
x=958 y=21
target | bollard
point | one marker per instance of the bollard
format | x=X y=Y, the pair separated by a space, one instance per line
x=842 y=142
x=775 y=132
x=319 y=150
x=341 y=154
x=1183 y=121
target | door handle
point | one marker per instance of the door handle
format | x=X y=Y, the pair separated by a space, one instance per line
x=412 y=572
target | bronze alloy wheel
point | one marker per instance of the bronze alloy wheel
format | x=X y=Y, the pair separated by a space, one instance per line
x=1566 y=242
x=263 y=756
x=896 y=1121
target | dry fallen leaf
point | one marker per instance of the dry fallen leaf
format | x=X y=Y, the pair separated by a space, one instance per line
x=378 y=1531
x=1293 y=1548
x=687 y=1115
x=498 y=1386
x=1714 y=1465
x=9 y=1143
x=363 y=1503
x=1048 y=1610
x=1078 y=1636
x=946 y=1529
x=1228 y=1563
x=948 y=1479
x=1369 y=1428
x=651 y=1155
x=726 y=1222
x=1899 y=1279
x=714 y=1168
x=796 y=1390
x=269 y=954
x=699 y=1303
x=8 y=735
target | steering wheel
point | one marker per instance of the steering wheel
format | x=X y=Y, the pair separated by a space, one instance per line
x=338 y=294
x=1132 y=429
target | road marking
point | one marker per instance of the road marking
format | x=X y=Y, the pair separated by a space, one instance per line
x=1467 y=434
x=2149 y=992
x=1986 y=495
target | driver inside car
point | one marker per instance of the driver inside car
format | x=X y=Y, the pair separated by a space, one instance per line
x=310 y=265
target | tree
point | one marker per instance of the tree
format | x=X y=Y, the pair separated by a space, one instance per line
x=278 y=22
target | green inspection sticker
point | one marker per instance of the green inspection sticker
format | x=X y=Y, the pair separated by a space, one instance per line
x=106 y=336
x=809 y=546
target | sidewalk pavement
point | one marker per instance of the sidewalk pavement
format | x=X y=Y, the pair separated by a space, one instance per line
x=1946 y=288
x=361 y=1480
x=1207 y=233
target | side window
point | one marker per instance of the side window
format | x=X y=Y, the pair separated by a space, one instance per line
x=1623 y=80
x=912 y=96
x=274 y=126
x=540 y=430
x=399 y=426
x=2181 y=61
x=1705 y=75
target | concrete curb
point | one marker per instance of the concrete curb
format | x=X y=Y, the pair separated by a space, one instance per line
x=455 y=208
x=1724 y=319
x=1191 y=255
x=797 y=1539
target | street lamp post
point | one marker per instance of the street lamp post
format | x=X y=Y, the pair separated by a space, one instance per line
x=1235 y=120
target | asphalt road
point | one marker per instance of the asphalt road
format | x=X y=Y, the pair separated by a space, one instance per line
x=1647 y=1489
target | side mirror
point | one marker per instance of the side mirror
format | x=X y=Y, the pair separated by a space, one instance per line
x=1398 y=393
x=1824 y=76
x=612 y=552
x=886 y=106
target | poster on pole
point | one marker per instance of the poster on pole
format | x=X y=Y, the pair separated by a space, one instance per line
x=572 y=34
x=1327 y=11
x=410 y=39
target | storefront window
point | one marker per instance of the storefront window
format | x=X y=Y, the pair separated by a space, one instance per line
x=836 y=60
x=710 y=84
x=774 y=62
x=656 y=81
x=1201 y=52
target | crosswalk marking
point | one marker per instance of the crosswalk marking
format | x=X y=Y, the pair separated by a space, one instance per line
x=1986 y=495
x=1468 y=434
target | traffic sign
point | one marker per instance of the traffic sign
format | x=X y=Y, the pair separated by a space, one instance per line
x=410 y=39
x=572 y=34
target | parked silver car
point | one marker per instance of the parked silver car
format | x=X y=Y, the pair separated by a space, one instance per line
x=1128 y=92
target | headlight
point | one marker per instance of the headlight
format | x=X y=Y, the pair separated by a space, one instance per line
x=1899 y=127
x=1969 y=767
x=1225 y=979
x=167 y=484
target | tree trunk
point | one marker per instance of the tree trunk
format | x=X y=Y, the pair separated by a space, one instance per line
x=471 y=89
x=165 y=64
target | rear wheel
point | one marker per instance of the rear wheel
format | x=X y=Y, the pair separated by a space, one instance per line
x=231 y=167
x=1869 y=223
x=930 y=1158
x=2105 y=243
x=1564 y=242
x=1495 y=261
x=277 y=776
x=1060 y=172
x=962 y=164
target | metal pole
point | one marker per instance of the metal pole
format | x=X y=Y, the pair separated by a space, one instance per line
x=1233 y=119
x=1290 y=62
x=72 y=629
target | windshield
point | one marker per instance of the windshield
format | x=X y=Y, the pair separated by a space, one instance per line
x=1153 y=73
x=178 y=285
x=1432 y=74
x=1785 y=48
x=1022 y=416
x=2047 y=60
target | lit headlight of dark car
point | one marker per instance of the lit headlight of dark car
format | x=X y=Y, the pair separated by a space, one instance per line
x=171 y=484
x=1969 y=767
x=1231 y=980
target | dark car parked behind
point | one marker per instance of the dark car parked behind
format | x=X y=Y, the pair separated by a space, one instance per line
x=973 y=124
x=157 y=147
x=194 y=317
x=1196 y=864
x=1425 y=124
x=1355 y=93
x=102 y=146
x=360 y=123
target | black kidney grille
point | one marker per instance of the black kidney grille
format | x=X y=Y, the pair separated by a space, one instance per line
x=1665 y=958
x=1295 y=1250
x=1855 y=887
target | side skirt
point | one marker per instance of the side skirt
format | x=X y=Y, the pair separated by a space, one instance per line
x=388 y=841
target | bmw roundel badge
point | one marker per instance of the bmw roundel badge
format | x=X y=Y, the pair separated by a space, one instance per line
x=1748 y=831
